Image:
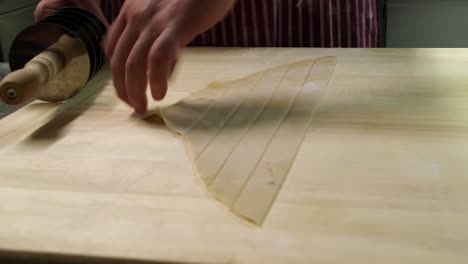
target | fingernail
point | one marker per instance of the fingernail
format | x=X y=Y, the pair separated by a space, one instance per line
x=139 y=110
x=141 y=107
x=160 y=94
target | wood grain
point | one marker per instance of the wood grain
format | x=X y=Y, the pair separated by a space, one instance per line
x=380 y=178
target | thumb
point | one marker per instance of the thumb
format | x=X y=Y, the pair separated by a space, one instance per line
x=42 y=11
x=46 y=7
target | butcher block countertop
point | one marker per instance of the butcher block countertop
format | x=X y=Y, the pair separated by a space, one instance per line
x=381 y=175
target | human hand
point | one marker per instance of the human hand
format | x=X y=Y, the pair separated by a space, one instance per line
x=143 y=43
x=47 y=7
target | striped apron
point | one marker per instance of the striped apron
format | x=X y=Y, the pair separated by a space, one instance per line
x=289 y=23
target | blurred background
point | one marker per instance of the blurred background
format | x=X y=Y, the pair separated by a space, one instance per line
x=15 y=15
x=405 y=24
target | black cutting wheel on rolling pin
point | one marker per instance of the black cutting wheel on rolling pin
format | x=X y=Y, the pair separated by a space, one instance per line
x=71 y=40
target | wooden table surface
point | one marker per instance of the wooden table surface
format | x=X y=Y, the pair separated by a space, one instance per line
x=381 y=176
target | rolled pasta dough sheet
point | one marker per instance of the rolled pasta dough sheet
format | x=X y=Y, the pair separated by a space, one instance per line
x=243 y=135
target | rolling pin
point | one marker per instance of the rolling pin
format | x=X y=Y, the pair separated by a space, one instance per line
x=55 y=58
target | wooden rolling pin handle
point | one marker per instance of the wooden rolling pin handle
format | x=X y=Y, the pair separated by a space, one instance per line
x=22 y=85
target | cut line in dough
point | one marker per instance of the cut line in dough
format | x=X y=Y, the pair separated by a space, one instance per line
x=243 y=135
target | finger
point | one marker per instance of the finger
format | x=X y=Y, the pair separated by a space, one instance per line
x=46 y=8
x=96 y=10
x=113 y=35
x=119 y=58
x=136 y=76
x=43 y=11
x=161 y=58
x=174 y=63
x=38 y=12
x=123 y=20
x=102 y=18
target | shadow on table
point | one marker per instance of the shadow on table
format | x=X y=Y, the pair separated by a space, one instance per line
x=28 y=257
x=393 y=109
x=65 y=114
